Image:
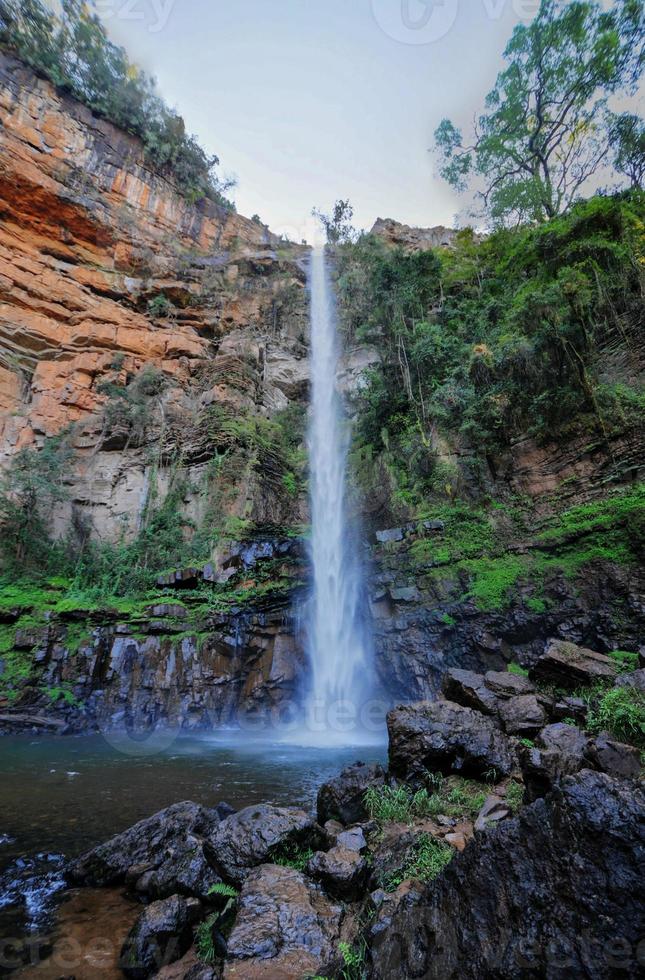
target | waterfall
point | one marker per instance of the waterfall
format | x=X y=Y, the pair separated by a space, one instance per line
x=338 y=642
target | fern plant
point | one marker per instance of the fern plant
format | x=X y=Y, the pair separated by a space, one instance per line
x=223 y=890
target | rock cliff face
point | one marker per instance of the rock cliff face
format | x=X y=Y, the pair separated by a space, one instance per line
x=105 y=268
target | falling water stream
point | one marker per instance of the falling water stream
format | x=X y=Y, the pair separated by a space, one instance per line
x=339 y=645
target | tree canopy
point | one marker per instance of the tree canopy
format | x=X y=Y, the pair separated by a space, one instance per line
x=546 y=128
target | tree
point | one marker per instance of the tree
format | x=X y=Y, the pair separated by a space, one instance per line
x=628 y=141
x=29 y=487
x=338 y=225
x=545 y=130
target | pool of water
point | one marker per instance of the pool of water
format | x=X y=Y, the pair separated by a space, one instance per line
x=61 y=796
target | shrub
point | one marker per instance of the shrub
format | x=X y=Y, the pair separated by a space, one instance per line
x=354 y=960
x=292 y=855
x=160 y=307
x=424 y=861
x=621 y=712
x=625 y=660
x=30 y=486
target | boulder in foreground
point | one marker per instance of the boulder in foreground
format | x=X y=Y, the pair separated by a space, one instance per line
x=161 y=935
x=250 y=837
x=343 y=798
x=567 y=665
x=439 y=736
x=158 y=857
x=557 y=891
x=286 y=928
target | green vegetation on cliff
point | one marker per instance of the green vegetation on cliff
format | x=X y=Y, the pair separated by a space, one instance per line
x=496 y=549
x=532 y=331
x=72 y=49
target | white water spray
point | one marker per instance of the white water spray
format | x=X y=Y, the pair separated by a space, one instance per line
x=338 y=644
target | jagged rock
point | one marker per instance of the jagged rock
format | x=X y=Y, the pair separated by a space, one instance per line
x=343 y=798
x=522 y=715
x=560 y=751
x=439 y=736
x=405 y=594
x=635 y=679
x=391 y=847
x=575 y=708
x=33 y=636
x=167 y=609
x=456 y=839
x=353 y=839
x=248 y=838
x=468 y=688
x=286 y=929
x=159 y=856
x=614 y=758
x=332 y=830
x=508 y=685
x=568 y=665
x=566 y=873
x=341 y=871
x=161 y=935
x=493 y=810
x=189 y=967
x=413 y=239
x=391 y=534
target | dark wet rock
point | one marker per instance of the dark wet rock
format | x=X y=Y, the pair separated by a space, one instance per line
x=250 y=837
x=343 y=798
x=386 y=945
x=31 y=637
x=570 y=707
x=353 y=839
x=157 y=857
x=389 y=850
x=568 y=665
x=341 y=871
x=190 y=967
x=331 y=830
x=286 y=928
x=614 y=758
x=493 y=810
x=161 y=935
x=522 y=715
x=439 y=736
x=635 y=679
x=224 y=810
x=391 y=534
x=508 y=685
x=567 y=874
x=468 y=688
x=560 y=750
x=181 y=578
x=165 y=610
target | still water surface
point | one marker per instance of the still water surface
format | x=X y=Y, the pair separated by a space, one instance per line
x=60 y=796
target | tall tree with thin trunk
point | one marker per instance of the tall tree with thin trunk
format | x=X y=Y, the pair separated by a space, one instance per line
x=546 y=130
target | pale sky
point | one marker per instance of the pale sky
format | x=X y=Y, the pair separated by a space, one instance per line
x=306 y=101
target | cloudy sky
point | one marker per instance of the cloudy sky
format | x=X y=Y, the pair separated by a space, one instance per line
x=305 y=101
